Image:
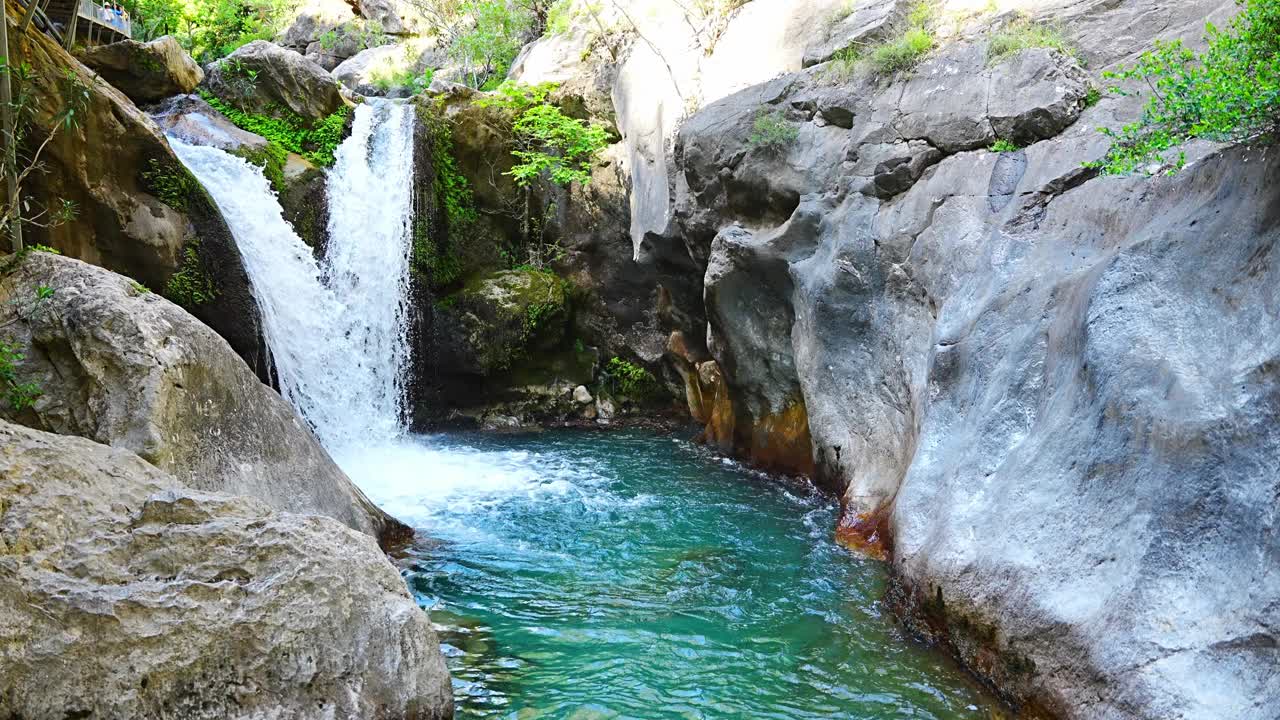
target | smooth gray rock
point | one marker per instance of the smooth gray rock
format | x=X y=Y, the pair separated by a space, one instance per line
x=262 y=77
x=128 y=595
x=191 y=119
x=1053 y=394
x=391 y=69
x=146 y=72
x=123 y=366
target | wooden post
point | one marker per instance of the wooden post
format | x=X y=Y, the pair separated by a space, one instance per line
x=70 y=38
x=7 y=120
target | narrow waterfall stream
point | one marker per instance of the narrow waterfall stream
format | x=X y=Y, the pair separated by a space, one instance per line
x=572 y=574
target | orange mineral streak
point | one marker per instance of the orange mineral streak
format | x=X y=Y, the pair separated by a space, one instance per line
x=781 y=442
x=866 y=533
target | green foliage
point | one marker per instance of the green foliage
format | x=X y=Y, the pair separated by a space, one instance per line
x=1231 y=92
x=771 y=131
x=191 y=285
x=139 y=288
x=433 y=257
x=488 y=48
x=316 y=143
x=170 y=182
x=842 y=66
x=548 y=143
x=210 y=29
x=1003 y=146
x=1022 y=34
x=629 y=379
x=901 y=53
x=271 y=159
x=1092 y=96
x=18 y=394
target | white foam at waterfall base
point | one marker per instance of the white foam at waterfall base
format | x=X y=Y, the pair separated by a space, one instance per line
x=336 y=331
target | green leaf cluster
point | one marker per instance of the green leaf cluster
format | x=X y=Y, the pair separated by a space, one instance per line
x=548 y=143
x=629 y=379
x=772 y=131
x=170 y=182
x=19 y=395
x=1003 y=146
x=191 y=285
x=317 y=143
x=210 y=29
x=433 y=257
x=1230 y=92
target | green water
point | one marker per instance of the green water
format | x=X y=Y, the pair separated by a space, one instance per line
x=629 y=575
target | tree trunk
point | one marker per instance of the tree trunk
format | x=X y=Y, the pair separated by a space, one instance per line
x=7 y=133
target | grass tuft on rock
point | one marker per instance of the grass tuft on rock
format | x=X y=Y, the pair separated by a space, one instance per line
x=1023 y=34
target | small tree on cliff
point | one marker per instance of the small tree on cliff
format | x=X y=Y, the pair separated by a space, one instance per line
x=547 y=145
x=1231 y=92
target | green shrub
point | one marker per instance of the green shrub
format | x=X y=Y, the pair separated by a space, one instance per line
x=1022 y=34
x=172 y=183
x=629 y=379
x=1231 y=92
x=548 y=143
x=1003 y=146
x=1092 y=96
x=771 y=131
x=317 y=143
x=190 y=285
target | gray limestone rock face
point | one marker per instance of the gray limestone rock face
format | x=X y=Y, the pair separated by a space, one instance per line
x=262 y=77
x=123 y=366
x=146 y=72
x=129 y=595
x=1054 y=395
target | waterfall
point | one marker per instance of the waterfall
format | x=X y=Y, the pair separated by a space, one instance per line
x=336 y=328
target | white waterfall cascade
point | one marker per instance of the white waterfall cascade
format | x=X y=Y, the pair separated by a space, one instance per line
x=337 y=330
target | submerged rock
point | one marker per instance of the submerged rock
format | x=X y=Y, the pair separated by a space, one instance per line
x=127 y=594
x=146 y=72
x=120 y=365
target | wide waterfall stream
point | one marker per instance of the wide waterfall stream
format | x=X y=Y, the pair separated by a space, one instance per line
x=572 y=574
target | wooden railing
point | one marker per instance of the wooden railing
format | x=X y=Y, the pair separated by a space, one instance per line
x=93 y=11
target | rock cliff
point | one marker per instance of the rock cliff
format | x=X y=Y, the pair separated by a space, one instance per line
x=1049 y=394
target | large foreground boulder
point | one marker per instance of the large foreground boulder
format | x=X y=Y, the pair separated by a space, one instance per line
x=266 y=79
x=146 y=72
x=137 y=210
x=127 y=368
x=127 y=595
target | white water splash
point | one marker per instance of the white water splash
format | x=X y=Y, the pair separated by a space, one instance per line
x=337 y=331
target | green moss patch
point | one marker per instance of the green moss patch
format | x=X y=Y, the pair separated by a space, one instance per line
x=316 y=142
